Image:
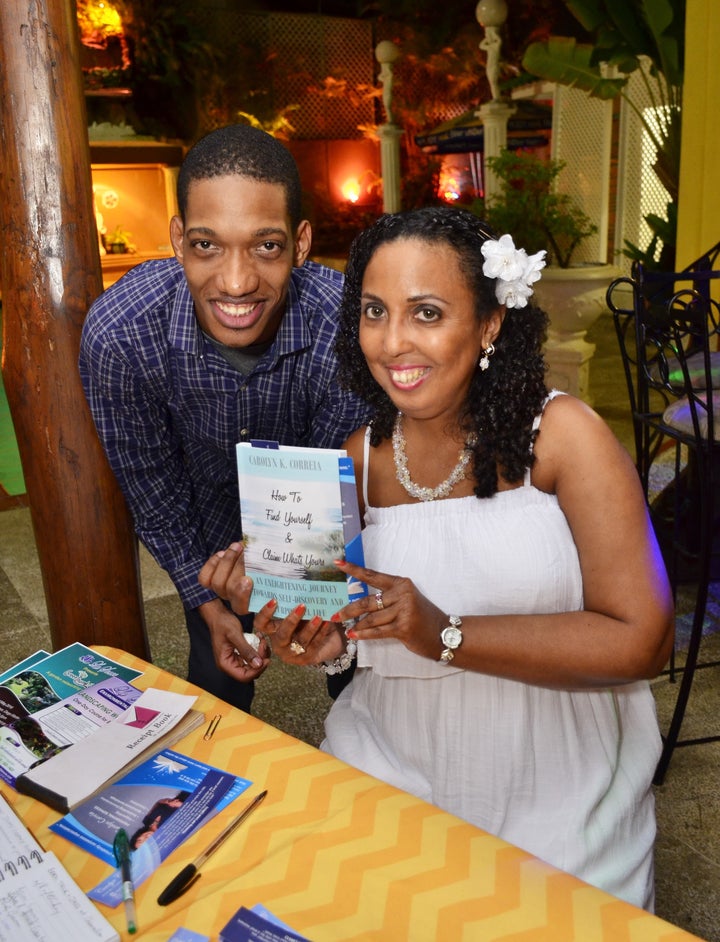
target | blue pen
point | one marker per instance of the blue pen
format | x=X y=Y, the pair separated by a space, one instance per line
x=121 y=847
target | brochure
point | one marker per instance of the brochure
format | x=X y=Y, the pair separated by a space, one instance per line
x=31 y=659
x=31 y=739
x=51 y=679
x=160 y=804
x=299 y=512
x=49 y=701
x=257 y=925
x=156 y=720
x=143 y=802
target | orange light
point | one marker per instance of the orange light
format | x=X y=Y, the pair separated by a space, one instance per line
x=448 y=186
x=351 y=190
x=98 y=19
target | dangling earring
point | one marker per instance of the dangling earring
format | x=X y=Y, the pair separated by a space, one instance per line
x=484 y=362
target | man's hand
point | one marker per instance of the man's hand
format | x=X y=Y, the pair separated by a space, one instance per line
x=232 y=652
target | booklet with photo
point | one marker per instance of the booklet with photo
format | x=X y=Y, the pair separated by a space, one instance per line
x=145 y=800
x=30 y=739
x=156 y=720
x=31 y=659
x=26 y=689
x=49 y=701
x=258 y=925
x=160 y=804
x=299 y=513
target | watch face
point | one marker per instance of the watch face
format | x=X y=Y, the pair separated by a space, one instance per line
x=451 y=636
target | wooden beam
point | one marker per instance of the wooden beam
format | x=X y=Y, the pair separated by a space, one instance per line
x=50 y=274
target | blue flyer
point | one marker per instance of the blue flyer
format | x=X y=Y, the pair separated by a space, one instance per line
x=160 y=804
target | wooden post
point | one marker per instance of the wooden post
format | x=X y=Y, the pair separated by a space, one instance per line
x=50 y=274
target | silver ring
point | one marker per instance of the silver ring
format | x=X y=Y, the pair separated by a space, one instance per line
x=296 y=647
x=379 y=601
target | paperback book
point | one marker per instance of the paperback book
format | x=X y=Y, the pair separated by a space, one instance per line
x=299 y=513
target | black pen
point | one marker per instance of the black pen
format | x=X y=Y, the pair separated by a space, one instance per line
x=188 y=875
x=121 y=846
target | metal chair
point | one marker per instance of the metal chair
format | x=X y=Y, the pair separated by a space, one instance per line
x=668 y=327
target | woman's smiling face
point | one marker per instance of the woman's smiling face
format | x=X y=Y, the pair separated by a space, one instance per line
x=418 y=328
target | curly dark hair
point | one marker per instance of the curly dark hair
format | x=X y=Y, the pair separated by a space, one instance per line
x=503 y=400
x=246 y=151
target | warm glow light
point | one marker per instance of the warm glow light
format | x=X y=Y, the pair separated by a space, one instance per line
x=351 y=190
x=448 y=186
x=98 y=20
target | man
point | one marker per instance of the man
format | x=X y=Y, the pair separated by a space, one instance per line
x=229 y=341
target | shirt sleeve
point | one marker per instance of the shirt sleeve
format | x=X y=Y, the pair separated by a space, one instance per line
x=135 y=428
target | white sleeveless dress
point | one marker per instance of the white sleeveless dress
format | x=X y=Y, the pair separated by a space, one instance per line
x=564 y=774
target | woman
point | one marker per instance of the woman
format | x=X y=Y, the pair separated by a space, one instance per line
x=519 y=601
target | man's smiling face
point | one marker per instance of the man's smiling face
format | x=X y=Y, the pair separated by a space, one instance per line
x=238 y=249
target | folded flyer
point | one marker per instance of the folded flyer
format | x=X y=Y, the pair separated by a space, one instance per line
x=143 y=802
x=160 y=804
x=49 y=701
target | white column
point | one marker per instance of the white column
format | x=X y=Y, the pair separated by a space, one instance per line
x=386 y=53
x=491 y=14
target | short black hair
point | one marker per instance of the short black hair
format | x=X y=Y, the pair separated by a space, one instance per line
x=248 y=152
x=502 y=400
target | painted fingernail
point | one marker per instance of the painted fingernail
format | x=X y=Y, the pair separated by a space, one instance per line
x=351 y=633
x=315 y=621
x=271 y=604
x=335 y=617
x=299 y=609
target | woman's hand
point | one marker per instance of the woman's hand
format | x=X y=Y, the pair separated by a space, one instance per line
x=319 y=640
x=396 y=609
x=297 y=640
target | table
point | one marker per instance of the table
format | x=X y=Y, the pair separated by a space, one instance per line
x=340 y=856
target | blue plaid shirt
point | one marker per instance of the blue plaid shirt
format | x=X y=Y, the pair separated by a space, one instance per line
x=169 y=408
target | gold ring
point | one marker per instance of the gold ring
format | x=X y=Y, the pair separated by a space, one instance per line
x=379 y=601
x=296 y=647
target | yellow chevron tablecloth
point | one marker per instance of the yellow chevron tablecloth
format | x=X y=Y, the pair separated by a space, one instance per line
x=340 y=856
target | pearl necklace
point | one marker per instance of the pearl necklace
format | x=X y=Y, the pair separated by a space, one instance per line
x=403 y=475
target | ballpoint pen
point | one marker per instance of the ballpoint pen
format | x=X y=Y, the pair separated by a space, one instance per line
x=121 y=846
x=188 y=875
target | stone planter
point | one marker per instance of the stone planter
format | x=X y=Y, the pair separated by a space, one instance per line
x=573 y=299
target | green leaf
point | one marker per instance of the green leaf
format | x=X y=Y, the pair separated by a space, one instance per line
x=563 y=60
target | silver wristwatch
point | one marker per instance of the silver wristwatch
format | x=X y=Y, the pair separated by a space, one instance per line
x=451 y=637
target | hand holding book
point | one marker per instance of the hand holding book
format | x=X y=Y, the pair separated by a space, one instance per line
x=322 y=640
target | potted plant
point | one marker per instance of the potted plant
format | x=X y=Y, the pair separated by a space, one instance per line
x=644 y=36
x=530 y=207
x=539 y=216
x=119 y=242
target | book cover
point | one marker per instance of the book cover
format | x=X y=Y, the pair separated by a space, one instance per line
x=299 y=512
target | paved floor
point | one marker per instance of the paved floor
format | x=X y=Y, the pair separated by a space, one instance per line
x=688 y=803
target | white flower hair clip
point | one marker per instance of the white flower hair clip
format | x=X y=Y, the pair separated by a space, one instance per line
x=513 y=269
